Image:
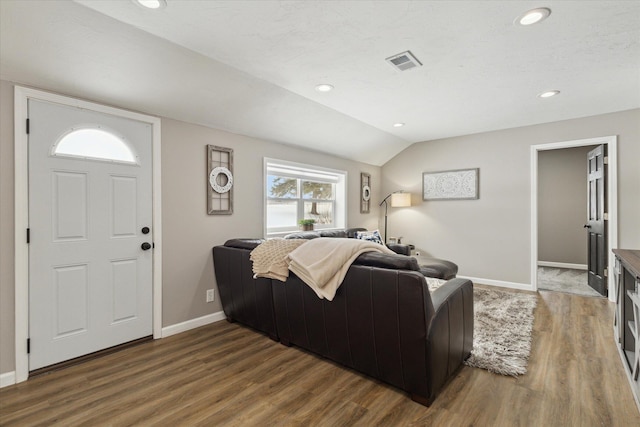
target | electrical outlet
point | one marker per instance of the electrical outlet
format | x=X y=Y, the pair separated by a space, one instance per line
x=211 y=296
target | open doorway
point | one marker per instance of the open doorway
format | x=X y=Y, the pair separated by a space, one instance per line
x=562 y=212
x=559 y=244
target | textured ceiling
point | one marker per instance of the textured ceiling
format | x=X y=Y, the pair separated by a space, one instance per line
x=250 y=67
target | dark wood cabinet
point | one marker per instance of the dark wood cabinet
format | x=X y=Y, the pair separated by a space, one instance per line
x=627 y=314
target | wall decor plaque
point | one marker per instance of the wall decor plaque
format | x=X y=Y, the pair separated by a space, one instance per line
x=365 y=192
x=219 y=180
x=460 y=184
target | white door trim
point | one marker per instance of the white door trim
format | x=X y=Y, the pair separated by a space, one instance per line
x=21 y=161
x=612 y=201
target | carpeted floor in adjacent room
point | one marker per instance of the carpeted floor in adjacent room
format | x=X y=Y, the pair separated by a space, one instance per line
x=565 y=280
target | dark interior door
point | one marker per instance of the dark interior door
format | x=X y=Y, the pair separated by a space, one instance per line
x=596 y=224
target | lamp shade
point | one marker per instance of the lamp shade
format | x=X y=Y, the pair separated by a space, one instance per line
x=400 y=200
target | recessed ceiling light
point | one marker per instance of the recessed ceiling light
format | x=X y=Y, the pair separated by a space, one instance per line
x=324 y=87
x=151 y=4
x=548 y=94
x=533 y=16
x=398 y=125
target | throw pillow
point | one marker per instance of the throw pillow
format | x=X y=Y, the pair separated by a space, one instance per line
x=372 y=236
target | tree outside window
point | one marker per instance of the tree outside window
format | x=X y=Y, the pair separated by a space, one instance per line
x=294 y=191
x=315 y=198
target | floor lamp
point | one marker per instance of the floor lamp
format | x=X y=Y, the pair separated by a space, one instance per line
x=399 y=199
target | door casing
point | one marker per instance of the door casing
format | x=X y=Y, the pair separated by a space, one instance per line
x=21 y=161
x=612 y=200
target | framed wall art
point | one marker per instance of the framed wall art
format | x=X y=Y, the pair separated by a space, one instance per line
x=460 y=184
x=365 y=192
x=219 y=180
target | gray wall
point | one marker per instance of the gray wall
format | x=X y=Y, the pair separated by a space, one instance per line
x=562 y=205
x=188 y=232
x=490 y=238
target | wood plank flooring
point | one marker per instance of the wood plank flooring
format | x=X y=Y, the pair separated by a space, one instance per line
x=225 y=374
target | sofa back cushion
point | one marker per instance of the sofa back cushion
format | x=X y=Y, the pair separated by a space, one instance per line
x=303 y=235
x=351 y=232
x=348 y=232
x=316 y=234
x=333 y=233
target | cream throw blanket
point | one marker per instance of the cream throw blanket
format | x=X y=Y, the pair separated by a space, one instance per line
x=322 y=263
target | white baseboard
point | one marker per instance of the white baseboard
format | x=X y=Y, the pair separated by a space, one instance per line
x=499 y=283
x=192 y=324
x=562 y=265
x=8 y=378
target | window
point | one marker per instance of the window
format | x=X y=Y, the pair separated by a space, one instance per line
x=96 y=144
x=295 y=191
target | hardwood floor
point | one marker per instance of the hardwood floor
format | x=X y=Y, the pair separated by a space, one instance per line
x=225 y=374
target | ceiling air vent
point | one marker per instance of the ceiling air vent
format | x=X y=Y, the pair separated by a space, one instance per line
x=404 y=61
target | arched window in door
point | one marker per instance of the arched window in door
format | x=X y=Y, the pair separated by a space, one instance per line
x=94 y=144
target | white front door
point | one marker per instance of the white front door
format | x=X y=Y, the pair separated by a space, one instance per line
x=90 y=214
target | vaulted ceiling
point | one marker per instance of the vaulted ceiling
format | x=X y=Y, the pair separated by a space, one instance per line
x=251 y=67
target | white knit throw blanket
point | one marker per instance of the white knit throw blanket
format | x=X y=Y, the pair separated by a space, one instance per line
x=270 y=258
x=322 y=263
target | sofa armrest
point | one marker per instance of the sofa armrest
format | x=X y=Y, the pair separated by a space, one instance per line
x=244 y=243
x=450 y=331
x=438 y=268
x=390 y=261
x=444 y=292
x=244 y=299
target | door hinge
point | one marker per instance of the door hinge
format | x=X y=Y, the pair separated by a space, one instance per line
x=606 y=160
x=27 y=126
x=605 y=217
x=28 y=345
x=28 y=235
x=606 y=272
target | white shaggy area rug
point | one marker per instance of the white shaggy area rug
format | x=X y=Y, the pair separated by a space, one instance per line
x=503 y=322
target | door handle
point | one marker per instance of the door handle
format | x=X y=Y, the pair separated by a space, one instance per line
x=145 y=230
x=146 y=246
x=586 y=226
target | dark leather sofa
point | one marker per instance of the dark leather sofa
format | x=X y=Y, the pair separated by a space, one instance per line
x=430 y=267
x=383 y=321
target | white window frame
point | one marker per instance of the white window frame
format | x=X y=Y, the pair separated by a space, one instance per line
x=306 y=172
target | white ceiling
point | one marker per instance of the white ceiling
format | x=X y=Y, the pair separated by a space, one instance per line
x=250 y=67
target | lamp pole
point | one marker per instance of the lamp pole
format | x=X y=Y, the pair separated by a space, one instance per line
x=386 y=206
